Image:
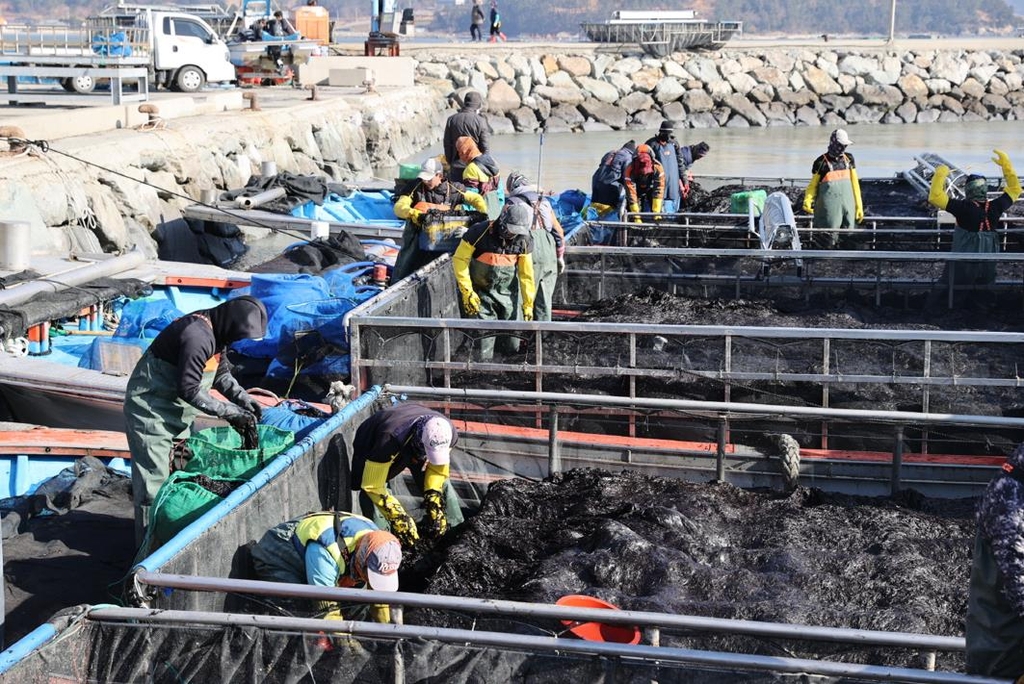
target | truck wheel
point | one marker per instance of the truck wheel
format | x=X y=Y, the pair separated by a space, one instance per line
x=79 y=84
x=189 y=79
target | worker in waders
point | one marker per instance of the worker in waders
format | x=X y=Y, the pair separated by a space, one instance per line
x=171 y=385
x=406 y=436
x=430 y=192
x=676 y=160
x=495 y=274
x=480 y=174
x=548 y=241
x=995 y=596
x=976 y=219
x=833 y=195
x=329 y=549
x=645 y=183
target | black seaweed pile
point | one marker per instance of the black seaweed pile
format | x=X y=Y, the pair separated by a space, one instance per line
x=655 y=544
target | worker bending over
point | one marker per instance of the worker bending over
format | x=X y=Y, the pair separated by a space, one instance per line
x=406 y=436
x=645 y=183
x=331 y=549
x=171 y=385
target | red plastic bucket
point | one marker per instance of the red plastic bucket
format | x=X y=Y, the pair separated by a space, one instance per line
x=597 y=631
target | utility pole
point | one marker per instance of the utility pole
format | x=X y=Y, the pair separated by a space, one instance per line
x=892 y=22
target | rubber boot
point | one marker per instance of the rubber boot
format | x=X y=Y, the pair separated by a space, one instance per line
x=503 y=38
x=492 y=39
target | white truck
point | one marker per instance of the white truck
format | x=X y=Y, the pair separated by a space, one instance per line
x=151 y=46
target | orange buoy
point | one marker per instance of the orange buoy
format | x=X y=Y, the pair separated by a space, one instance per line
x=597 y=631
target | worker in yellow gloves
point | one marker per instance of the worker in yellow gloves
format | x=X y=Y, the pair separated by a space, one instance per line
x=429 y=192
x=404 y=436
x=833 y=195
x=331 y=549
x=495 y=274
x=644 y=180
x=977 y=217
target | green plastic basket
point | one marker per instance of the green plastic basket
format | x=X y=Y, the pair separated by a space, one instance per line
x=739 y=202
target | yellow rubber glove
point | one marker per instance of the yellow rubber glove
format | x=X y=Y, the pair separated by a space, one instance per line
x=415 y=215
x=937 y=192
x=435 y=522
x=656 y=205
x=527 y=314
x=857 y=201
x=381 y=613
x=810 y=194
x=1013 y=188
x=635 y=208
x=471 y=303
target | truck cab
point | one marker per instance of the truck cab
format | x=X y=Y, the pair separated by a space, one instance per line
x=186 y=52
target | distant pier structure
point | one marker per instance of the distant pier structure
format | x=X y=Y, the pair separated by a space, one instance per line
x=661 y=33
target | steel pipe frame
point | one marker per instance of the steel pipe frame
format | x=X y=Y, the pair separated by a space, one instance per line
x=469 y=638
x=20 y=293
x=553 y=612
x=711 y=408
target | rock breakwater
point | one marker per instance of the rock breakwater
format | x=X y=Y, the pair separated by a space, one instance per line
x=586 y=90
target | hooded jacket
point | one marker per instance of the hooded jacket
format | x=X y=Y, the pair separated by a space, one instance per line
x=481 y=170
x=194 y=344
x=606 y=182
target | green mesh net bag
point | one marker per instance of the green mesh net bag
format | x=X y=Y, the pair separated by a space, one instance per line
x=217 y=452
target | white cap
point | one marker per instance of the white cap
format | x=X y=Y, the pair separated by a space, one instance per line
x=436 y=438
x=429 y=169
x=842 y=137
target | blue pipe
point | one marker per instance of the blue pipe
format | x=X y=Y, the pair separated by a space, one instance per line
x=24 y=646
x=162 y=555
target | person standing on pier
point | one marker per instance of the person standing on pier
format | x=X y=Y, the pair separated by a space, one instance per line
x=171 y=385
x=476 y=21
x=496 y=23
x=833 y=195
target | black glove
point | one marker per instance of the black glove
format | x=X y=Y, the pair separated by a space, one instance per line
x=249 y=404
x=244 y=422
x=435 y=523
x=699 y=150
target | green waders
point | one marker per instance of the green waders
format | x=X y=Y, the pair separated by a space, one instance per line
x=545 y=273
x=974 y=242
x=834 y=207
x=498 y=288
x=155 y=418
x=410 y=257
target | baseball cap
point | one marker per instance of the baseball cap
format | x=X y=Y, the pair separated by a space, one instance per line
x=436 y=438
x=429 y=169
x=381 y=555
x=842 y=137
x=516 y=219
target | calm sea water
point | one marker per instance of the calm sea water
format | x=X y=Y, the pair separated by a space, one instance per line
x=567 y=160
